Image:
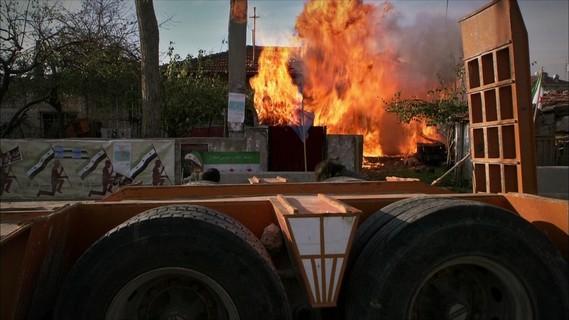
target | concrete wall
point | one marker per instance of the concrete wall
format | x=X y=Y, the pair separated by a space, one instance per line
x=347 y=148
x=553 y=182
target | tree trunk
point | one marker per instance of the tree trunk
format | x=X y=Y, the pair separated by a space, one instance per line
x=4 y=83
x=150 y=77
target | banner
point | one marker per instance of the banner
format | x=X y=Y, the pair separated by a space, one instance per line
x=232 y=162
x=82 y=169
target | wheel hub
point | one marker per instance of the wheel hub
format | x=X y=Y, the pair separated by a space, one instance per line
x=172 y=294
x=458 y=311
x=470 y=288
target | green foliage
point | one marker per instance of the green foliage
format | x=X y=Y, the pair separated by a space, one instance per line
x=191 y=97
x=98 y=71
x=445 y=103
x=442 y=107
x=98 y=55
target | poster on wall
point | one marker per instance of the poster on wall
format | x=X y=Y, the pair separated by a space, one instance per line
x=191 y=160
x=121 y=157
x=82 y=169
x=236 y=108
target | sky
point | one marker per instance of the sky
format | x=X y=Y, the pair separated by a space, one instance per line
x=194 y=25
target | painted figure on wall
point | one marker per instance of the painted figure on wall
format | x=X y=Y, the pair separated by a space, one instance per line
x=6 y=179
x=107 y=180
x=57 y=179
x=157 y=173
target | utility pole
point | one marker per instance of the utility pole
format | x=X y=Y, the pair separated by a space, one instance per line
x=254 y=16
x=237 y=53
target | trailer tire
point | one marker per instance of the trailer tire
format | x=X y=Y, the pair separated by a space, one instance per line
x=185 y=262
x=456 y=259
x=376 y=221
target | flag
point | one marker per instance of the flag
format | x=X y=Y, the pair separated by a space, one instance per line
x=92 y=164
x=69 y=153
x=537 y=91
x=41 y=163
x=143 y=163
x=13 y=155
x=301 y=122
x=232 y=161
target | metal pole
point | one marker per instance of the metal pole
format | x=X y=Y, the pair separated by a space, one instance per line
x=254 y=16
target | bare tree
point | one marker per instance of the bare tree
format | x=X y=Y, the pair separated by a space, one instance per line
x=150 y=72
x=100 y=25
x=25 y=34
x=48 y=50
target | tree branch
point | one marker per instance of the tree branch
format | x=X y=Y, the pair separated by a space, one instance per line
x=14 y=120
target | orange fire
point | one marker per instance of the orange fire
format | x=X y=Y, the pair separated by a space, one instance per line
x=346 y=77
x=275 y=93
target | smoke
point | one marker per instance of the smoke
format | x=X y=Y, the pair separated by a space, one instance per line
x=356 y=56
x=427 y=48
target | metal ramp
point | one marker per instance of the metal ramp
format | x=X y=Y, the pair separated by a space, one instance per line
x=496 y=55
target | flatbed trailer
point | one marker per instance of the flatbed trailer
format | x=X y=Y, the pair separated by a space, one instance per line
x=45 y=239
x=326 y=250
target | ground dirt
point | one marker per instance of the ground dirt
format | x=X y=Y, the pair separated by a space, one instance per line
x=386 y=168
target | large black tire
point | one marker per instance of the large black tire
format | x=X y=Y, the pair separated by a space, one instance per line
x=376 y=221
x=446 y=258
x=185 y=261
x=368 y=229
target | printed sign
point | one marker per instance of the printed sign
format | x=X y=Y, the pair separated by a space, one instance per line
x=236 y=107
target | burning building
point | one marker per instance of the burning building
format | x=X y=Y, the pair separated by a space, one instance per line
x=351 y=60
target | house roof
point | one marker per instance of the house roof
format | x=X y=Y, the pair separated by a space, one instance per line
x=555 y=92
x=550 y=83
x=219 y=62
x=555 y=97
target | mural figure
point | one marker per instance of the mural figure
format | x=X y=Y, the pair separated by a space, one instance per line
x=108 y=180
x=6 y=179
x=157 y=176
x=57 y=180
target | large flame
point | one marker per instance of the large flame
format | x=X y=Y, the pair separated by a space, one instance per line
x=346 y=77
x=275 y=93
